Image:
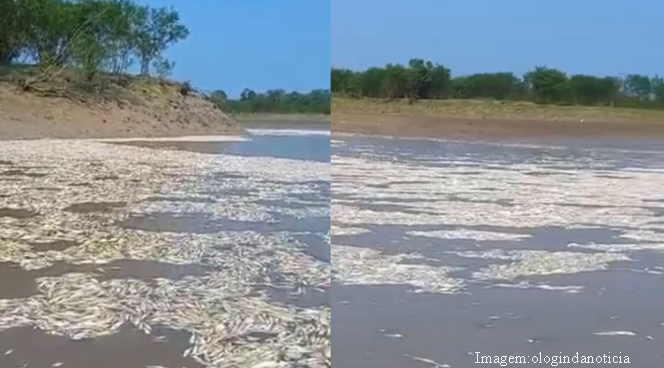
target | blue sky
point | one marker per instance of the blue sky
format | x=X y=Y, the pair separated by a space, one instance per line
x=259 y=44
x=599 y=37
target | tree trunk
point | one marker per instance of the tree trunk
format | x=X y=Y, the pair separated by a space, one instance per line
x=145 y=67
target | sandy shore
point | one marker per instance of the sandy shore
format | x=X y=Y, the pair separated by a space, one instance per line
x=474 y=128
x=487 y=120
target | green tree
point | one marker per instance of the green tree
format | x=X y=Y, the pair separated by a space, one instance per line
x=52 y=24
x=419 y=79
x=638 y=86
x=396 y=82
x=345 y=82
x=441 y=82
x=372 y=81
x=657 y=85
x=275 y=101
x=163 y=67
x=13 y=29
x=157 y=30
x=547 y=85
x=499 y=86
x=123 y=46
x=99 y=25
x=247 y=95
x=93 y=36
x=591 y=90
x=219 y=95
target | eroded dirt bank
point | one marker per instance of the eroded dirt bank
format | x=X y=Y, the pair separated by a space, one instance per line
x=144 y=110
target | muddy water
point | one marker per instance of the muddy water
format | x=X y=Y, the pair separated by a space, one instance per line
x=89 y=207
x=27 y=347
x=56 y=245
x=17 y=213
x=297 y=144
x=472 y=207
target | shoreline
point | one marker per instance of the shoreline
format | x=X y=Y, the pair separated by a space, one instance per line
x=445 y=120
x=286 y=121
x=162 y=134
x=14 y=129
x=282 y=117
x=146 y=110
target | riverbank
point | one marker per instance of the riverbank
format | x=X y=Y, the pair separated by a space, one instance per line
x=118 y=107
x=486 y=120
x=283 y=121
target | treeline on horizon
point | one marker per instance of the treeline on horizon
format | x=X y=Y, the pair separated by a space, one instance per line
x=421 y=79
x=275 y=101
x=94 y=37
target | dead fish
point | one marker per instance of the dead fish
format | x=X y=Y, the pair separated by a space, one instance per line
x=269 y=365
x=615 y=333
x=428 y=361
x=160 y=339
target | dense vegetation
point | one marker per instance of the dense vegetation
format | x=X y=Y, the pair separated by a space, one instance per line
x=94 y=37
x=84 y=42
x=275 y=101
x=425 y=80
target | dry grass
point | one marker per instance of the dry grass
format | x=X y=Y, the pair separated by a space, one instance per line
x=486 y=109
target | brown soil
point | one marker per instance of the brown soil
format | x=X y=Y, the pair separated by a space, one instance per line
x=488 y=128
x=30 y=347
x=147 y=110
x=458 y=119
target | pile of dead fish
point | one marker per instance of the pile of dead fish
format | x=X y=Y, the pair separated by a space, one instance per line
x=472 y=207
x=195 y=220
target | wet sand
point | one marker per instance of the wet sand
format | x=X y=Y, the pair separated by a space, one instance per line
x=442 y=249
